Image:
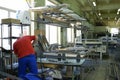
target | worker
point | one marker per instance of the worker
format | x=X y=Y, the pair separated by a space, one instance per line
x=23 y=48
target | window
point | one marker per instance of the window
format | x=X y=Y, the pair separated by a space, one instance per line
x=3 y=14
x=70 y=35
x=8 y=10
x=53 y=34
x=12 y=14
x=114 y=31
x=78 y=36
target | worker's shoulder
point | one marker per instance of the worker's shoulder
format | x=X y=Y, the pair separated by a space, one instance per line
x=29 y=36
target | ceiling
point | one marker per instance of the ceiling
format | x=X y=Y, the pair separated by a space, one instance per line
x=103 y=14
x=58 y=15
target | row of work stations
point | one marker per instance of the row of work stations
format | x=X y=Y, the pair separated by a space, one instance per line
x=68 y=60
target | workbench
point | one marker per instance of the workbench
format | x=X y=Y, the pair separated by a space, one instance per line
x=70 y=63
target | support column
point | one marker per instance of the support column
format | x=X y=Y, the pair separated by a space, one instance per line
x=39 y=26
x=63 y=36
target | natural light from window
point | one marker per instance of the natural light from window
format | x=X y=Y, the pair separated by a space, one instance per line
x=114 y=31
x=70 y=35
x=14 y=4
x=7 y=10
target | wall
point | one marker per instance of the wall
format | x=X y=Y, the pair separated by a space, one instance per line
x=100 y=29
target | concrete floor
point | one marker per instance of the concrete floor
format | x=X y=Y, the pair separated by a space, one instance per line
x=105 y=70
x=99 y=73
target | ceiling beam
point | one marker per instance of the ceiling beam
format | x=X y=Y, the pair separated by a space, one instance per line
x=81 y=2
x=101 y=7
x=7 y=9
x=108 y=7
x=112 y=15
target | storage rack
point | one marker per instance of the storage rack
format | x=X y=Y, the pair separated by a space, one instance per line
x=10 y=23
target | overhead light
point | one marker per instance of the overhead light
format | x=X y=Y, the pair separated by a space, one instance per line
x=94 y=4
x=118 y=10
x=99 y=14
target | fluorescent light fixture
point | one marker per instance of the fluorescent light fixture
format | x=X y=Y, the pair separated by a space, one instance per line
x=94 y=4
x=99 y=14
x=118 y=10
